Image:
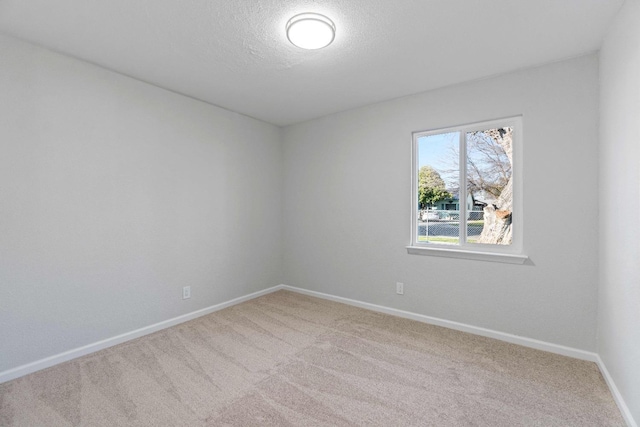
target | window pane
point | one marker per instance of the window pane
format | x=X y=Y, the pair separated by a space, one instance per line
x=490 y=186
x=438 y=185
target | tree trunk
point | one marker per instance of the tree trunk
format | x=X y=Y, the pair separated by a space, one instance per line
x=497 y=228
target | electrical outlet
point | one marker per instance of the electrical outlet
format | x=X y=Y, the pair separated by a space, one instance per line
x=399 y=288
x=186 y=292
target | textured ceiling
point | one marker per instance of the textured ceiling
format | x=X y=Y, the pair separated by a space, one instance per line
x=235 y=54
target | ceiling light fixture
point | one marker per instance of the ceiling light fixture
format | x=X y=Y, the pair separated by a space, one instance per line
x=311 y=31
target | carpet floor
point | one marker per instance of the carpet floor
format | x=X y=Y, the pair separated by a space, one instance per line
x=286 y=359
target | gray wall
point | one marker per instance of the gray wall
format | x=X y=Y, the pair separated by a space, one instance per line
x=619 y=302
x=347 y=206
x=115 y=194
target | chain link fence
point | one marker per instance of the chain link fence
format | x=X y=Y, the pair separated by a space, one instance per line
x=444 y=225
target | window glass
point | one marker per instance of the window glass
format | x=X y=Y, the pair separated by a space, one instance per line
x=489 y=185
x=470 y=206
x=438 y=182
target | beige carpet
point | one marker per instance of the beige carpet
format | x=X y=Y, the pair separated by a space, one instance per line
x=290 y=360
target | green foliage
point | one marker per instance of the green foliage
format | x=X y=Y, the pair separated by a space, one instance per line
x=431 y=187
x=429 y=196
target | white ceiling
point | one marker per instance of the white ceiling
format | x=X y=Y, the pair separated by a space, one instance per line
x=235 y=54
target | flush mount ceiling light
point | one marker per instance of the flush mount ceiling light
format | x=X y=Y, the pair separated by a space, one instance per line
x=311 y=31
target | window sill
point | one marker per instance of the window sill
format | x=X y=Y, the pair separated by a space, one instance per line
x=465 y=254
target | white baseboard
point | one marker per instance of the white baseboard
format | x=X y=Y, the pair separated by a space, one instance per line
x=514 y=339
x=622 y=405
x=47 y=362
x=109 y=342
x=502 y=336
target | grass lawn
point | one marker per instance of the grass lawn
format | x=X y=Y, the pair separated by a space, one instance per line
x=439 y=239
x=442 y=239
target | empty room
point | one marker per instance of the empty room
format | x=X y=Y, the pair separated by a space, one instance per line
x=320 y=213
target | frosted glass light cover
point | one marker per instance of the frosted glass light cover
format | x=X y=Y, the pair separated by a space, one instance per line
x=310 y=31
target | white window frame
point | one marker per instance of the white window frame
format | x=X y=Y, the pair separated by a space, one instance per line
x=485 y=252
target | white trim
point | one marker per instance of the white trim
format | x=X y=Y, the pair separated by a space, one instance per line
x=617 y=397
x=502 y=336
x=463 y=247
x=463 y=220
x=47 y=362
x=454 y=252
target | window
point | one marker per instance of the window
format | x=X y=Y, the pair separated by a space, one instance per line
x=467 y=192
